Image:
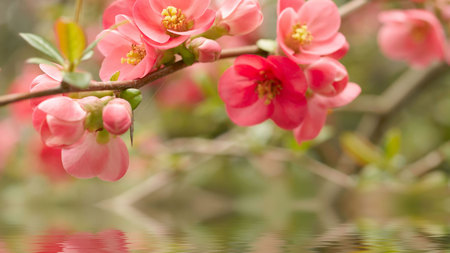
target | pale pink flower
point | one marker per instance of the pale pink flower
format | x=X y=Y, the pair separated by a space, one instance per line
x=255 y=89
x=415 y=36
x=168 y=23
x=341 y=52
x=318 y=107
x=205 y=50
x=311 y=31
x=92 y=158
x=118 y=7
x=239 y=17
x=125 y=52
x=294 y=4
x=21 y=111
x=59 y=121
x=51 y=78
x=326 y=76
x=117 y=116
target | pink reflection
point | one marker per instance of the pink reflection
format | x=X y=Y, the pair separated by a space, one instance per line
x=109 y=241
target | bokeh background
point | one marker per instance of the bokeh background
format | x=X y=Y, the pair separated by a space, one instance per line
x=375 y=180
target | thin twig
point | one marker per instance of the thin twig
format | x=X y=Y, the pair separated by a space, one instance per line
x=76 y=18
x=426 y=164
x=352 y=6
x=122 y=85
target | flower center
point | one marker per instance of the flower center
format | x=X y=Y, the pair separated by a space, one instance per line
x=268 y=88
x=301 y=34
x=420 y=31
x=174 y=19
x=135 y=56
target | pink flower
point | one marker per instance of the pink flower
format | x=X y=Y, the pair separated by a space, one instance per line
x=93 y=157
x=118 y=7
x=255 y=89
x=239 y=17
x=125 y=52
x=326 y=76
x=318 y=107
x=117 y=116
x=205 y=50
x=51 y=79
x=168 y=23
x=311 y=31
x=415 y=36
x=60 y=121
x=21 y=111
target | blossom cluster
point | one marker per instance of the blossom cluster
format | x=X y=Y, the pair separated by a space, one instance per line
x=416 y=36
x=297 y=88
x=85 y=129
x=139 y=37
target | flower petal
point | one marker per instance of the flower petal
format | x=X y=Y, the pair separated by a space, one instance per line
x=250 y=115
x=321 y=17
x=86 y=158
x=117 y=163
x=236 y=90
x=63 y=108
x=312 y=124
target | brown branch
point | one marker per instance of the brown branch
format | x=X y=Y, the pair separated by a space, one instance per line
x=122 y=85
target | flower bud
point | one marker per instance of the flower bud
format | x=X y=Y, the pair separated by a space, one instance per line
x=327 y=76
x=133 y=96
x=205 y=50
x=240 y=16
x=60 y=121
x=117 y=116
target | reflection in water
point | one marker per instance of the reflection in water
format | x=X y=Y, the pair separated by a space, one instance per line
x=242 y=233
x=103 y=242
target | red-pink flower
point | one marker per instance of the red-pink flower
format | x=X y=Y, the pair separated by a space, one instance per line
x=94 y=157
x=318 y=107
x=239 y=17
x=311 y=31
x=255 y=89
x=205 y=50
x=415 y=36
x=60 y=121
x=117 y=116
x=326 y=76
x=125 y=52
x=168 y=23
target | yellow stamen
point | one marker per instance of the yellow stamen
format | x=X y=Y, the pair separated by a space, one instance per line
x=301 y=34
x=174 y=19
x=269 y=88
x=135 y=56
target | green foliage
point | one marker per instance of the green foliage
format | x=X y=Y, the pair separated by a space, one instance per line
x=78 y=79
x=37 y=60
x=269 y=46
x=43 y=46
x=133 y=96
x=72 y=41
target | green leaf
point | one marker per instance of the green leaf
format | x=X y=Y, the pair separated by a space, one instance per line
x=72 y=41
x=87 y=56
x=392 y=143
x=43 y=45
x=36 y=60
x=115 y=76
x=361 y=149
x=133 y=96
x=78 y=79
x=269 y=46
